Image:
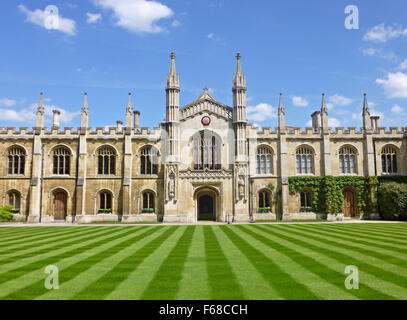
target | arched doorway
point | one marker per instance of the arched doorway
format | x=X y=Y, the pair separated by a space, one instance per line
x=349 y=203
x=60 y=203
x=206 y=206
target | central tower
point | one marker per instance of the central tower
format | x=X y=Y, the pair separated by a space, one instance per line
x=241 y=209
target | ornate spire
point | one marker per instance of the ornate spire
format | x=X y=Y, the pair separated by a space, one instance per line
x=39 y=121
x=365 y=105
x=239 y=80
x=281 y=106
x=281 y=113
x=129 y=113
x=323 y=107
x=85 y=104
x=172 y=78
x=40 y=109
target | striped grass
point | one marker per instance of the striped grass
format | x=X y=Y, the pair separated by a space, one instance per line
x=257 y=261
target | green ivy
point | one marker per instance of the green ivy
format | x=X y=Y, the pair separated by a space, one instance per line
x=327 y=191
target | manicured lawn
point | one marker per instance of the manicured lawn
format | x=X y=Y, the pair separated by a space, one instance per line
x=205 y=262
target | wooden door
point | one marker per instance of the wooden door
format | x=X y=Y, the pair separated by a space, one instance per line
x=60 y=206
x=349 y=203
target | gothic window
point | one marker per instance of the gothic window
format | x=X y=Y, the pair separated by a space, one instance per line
x=148 y=161
x=389 y=159
x=16 y=161
x=207 y=151
x=148 y=202
x=106 y=161
x=105 y=204
x=304 y=160
x=62 y=161
x=347 y=160
x=14 y=200
x=264 y=201
x=264 y=163
x=306 y=201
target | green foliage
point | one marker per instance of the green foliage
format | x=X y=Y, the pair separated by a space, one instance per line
x=327 y=192
x=105 y=211
x=271 y=187
x=5 y=214
x=264 y=210
x=150 y=210
x=392 y=201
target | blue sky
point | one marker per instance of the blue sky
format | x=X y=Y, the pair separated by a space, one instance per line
x=111 y=47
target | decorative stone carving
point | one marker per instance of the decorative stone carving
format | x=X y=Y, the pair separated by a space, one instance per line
x=171 y=182
x=241 y=184
x=205 y=174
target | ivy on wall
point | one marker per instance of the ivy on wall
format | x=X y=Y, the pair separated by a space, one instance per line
x=327 y=196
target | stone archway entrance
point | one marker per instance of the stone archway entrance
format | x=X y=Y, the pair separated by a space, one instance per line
x=206 y=206
x=60 y=204
x=349 y=203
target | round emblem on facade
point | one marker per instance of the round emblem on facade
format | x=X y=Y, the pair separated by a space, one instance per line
x=206 y=121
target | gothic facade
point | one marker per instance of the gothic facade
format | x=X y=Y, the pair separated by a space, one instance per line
x=203 y=162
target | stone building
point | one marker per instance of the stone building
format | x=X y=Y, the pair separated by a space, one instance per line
x=203 y=162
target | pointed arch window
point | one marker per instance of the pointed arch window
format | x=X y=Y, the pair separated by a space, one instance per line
x=347 y=160
x=305 y=159
x=62 y=161
x=105 y=202
x=389 y=159
x=264 y=163
x=149 y=161
x=16 y=161
x=106 y=161
x=306 y=201
x=14 y=200
x=148 y=202
x=264 y=201
x=207 y=151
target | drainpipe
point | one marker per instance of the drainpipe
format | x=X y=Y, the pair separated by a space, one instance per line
x=42 y=181
x=375 y=163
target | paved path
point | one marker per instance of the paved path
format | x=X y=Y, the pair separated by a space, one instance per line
x=58 y=224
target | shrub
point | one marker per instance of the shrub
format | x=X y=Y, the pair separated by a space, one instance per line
x=392 y=201
x=5 y=214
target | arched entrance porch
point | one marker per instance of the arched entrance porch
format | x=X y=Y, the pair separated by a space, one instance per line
x=207 y=204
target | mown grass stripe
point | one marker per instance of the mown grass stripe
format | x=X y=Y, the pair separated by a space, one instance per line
x=351 y=232
x=46 y=240
x=353 y=242
x=377 y=275
x=381 y=233
x=282 y=282
x=309 y=262
x=20 y=236
x=165 y=284
x=109 y=281
x=35 y=252
x=193 y=283
x=86 y=243
x=136 y=282
x=222 y=281
x=36 y=289
x=394 y=229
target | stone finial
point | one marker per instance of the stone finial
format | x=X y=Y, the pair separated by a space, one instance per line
x=323 y=107
x=172 y=78
x=57 y=114
x=365 y=104
x=281 y=105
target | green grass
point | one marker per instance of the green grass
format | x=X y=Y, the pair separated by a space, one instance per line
x=293 y=220
x=254 y=261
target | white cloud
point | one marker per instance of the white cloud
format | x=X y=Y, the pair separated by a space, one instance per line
x=395 y=86
x=93 y=17
x=175 y=23
x=382 y=33
x=299 y=101
x=44 y=19
x=338 y=100
x=7 y=102
x=403 y=65
x=396 y=109
x=378 y=52
x=333 y=122
x=137 y=15
x=261 y=112
x=28 y=115
x=210 y=36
